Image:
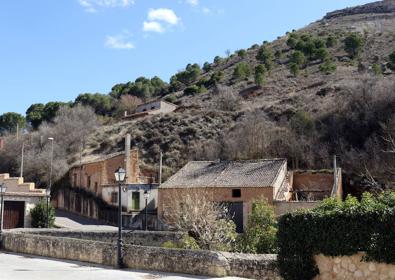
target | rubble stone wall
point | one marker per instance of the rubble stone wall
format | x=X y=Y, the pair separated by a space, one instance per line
x=352 y=267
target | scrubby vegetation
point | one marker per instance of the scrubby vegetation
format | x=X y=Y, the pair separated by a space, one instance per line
x=337 y=228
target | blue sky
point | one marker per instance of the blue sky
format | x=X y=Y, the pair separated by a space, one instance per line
x=53 y=50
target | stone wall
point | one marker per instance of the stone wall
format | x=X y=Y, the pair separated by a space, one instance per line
x=143 y=238
x=216 y=264
x=351 y=267
x=283 y=207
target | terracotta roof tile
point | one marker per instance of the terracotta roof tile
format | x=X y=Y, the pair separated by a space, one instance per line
x=251 y=173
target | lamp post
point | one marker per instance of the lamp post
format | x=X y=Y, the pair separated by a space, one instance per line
x=48 y=196
x=48 y=190
x=146 y=196
x=120 y=174
x=3 y=189
x=51 y=164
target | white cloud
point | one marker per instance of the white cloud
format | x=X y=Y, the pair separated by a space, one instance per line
x=193 y=2
x=153 y=26
x=93 y=5
x=120 y=42
x=166 y=15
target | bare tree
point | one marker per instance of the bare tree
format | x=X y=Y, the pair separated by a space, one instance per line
x=129 y=104
x=226 y=99
x=208 y=222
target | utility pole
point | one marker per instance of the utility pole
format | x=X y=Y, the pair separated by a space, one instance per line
x=160 y=168
x=334 y=192
x=22 y=159
x=17 y=131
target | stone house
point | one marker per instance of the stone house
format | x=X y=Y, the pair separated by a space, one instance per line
x=95 y=175
x=239 y=183
x=19 y=199
x=152 y=108
x=236 y=183
x=96 y=172
x=307 y=188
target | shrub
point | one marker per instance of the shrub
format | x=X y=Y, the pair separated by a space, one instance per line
x=192 y=90
x=291 y=42
x=39 y=215
x=206 y=66
x=242 y=71
x=353 y=44
x=218 y=60
x=322 y=54
x=298 y=58
x=337 y=228
x=241 y=53
x=187 y=242
x=302 y=123
x=171 y=98
x=376 y=69
x=331 y=41
x=294 y=68
x=260 y=234
x=328 y=67
x=391 y=63
x=266 y=56
x=260 y=71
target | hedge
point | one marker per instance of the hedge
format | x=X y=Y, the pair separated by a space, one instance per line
x=337 y=228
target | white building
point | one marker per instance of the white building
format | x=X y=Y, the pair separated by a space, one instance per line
x=19 y=199
x=152 y=108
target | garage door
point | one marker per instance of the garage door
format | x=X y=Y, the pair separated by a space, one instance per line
x=14 y=212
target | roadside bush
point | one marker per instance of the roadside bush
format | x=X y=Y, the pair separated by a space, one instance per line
x=39 y=215
x=337 y=228
x=260 y=234
x=187 y=242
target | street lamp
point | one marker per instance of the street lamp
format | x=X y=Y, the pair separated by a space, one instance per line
x=48 y=196
x=51 y=165
x=146 y=196
x=48 y=190
x=120 y=175
x=3 y=189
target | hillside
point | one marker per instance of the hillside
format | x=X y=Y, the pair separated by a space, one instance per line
x=305 y=117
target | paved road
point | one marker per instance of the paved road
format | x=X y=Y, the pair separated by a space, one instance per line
x=22 y=267
x=66 y=219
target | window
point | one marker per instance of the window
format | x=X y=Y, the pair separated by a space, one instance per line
x=114 y=197
x=96 y=186
x=236 y=193
x=136 y=200
x=89 y=182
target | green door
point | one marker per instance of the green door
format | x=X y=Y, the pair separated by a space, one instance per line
x=135 y=200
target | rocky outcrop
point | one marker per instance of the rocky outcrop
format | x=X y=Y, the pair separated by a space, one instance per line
x=382 y=7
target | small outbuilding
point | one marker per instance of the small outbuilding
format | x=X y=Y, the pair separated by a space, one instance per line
x=19 y=199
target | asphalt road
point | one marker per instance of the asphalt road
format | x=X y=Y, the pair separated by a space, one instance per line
x=22 y=267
